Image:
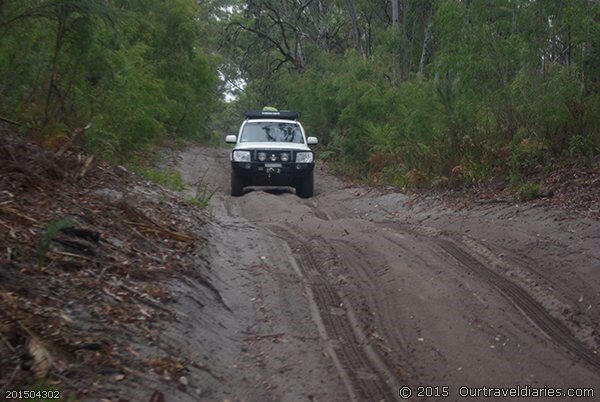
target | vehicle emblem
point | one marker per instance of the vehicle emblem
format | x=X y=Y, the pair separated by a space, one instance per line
x=273 y=157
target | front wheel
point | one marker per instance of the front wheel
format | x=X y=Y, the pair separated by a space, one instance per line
x=237 y=185
x=305 y=187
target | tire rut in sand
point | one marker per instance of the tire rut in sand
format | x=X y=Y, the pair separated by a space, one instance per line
x=369 y=380
x=379 y=299
x=535 y=312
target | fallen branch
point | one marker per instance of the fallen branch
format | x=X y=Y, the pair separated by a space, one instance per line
x=161 y=230
x=77 y=133
x=149 y=256
x=9 y=121
x=65 y=254
x=151 y=225
x=6 y=209
x=493 y=201
x=86 y=166
x=254 y=337
x=145 y=238
x=146 y=299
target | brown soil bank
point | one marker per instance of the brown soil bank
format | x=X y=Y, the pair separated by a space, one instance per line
x=97 y=269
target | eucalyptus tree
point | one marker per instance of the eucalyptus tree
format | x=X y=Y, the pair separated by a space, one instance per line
x=429 y=84
x=68 y=23
x=135 y=70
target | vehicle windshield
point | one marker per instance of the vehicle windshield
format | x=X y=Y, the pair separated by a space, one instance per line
x=271 y=132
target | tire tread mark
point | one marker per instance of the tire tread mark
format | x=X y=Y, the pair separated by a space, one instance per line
x=350 y=353
x=552 y=327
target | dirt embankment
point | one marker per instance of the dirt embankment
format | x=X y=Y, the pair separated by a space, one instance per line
x=97 y=267
x=349 y=295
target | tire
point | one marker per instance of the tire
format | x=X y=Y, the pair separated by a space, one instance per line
x=305 y=187
x=237 y=185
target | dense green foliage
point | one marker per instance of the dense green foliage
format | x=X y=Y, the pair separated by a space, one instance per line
x=455 y=90
x=445 y=91
x=134 y=71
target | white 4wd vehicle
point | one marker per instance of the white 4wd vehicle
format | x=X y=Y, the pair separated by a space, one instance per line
x=272 y=150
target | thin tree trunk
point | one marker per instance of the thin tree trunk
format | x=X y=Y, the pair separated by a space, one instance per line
x=60 y=31
x=395 y=54
x=405 y=33
x=324 y=27
x=569 y=46
x=299 y=53
x=425 y=47
x=514 y=20
x=367 y=35
x=355 y=27
x=321 y=28
x=468 y=13
x=395 y=14
x=413 y=29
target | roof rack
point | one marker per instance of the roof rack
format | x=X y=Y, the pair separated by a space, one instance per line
x=281 y=114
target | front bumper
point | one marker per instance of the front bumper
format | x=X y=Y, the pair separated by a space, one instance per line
x=271 y=174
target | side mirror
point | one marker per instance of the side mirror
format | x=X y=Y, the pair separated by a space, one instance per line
x=231 y=139
x=312 y=141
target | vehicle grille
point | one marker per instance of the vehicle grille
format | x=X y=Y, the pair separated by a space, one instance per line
x=272 y=156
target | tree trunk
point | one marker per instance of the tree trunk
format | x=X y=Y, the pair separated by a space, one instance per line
x=355 y=27
x=395 y=14
x=405 y=33
x=321 y=35
x=60 y=31
x=569 y=45
x=425 y=47
x=299 y=54
x=411 y=43
x=368 y=44
x=395 y=54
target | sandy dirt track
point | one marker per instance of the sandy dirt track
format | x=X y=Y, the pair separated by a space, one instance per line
x=352 y=294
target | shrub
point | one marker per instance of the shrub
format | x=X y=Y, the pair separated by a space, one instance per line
x=415 y=178
x=528 y=155
x=528 y=191
x=581 y=146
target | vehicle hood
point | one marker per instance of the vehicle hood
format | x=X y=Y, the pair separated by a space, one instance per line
x=273 y=146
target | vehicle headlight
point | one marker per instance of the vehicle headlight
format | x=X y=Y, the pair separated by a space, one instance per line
x=304 y=157
x=262 y=156
x=241 y=156
x=285 y=157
